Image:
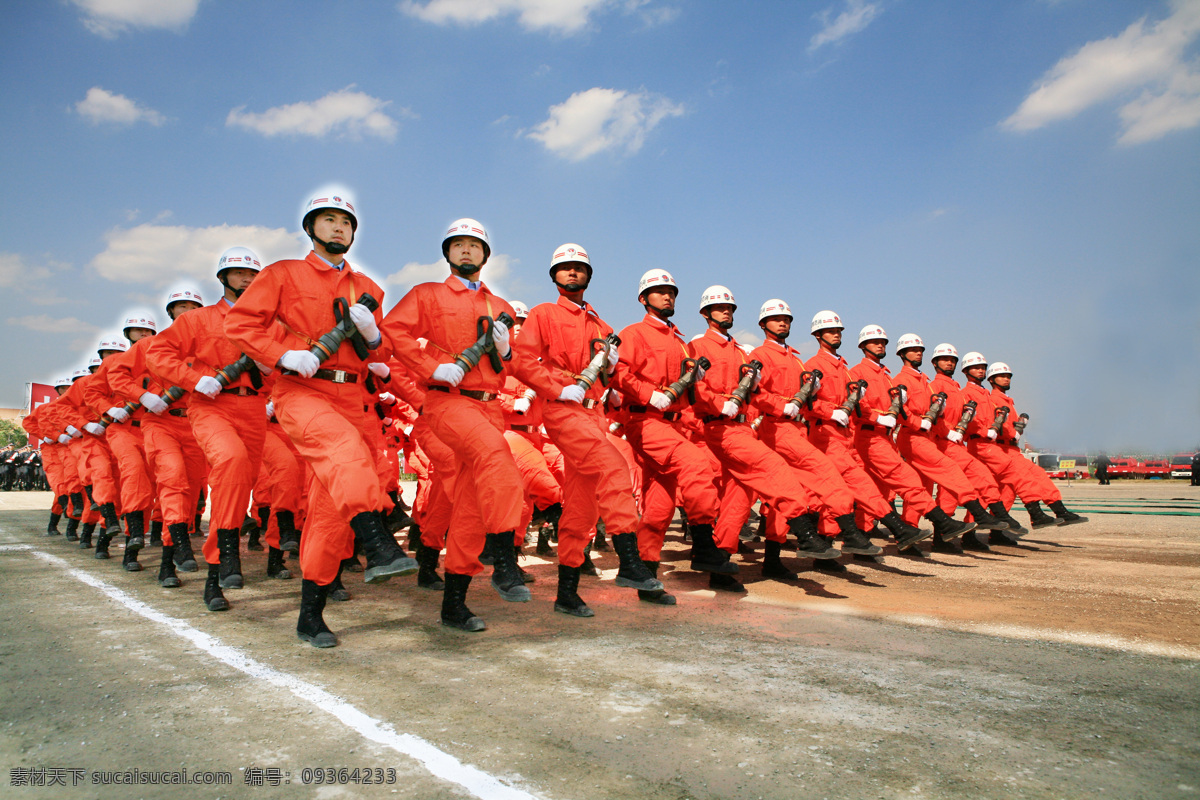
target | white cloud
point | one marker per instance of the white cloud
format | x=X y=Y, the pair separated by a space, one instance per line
x=857 y=16
x=747 y=338
x=559 y=16
x=110 y=17
x=14 y=272
x=1147 y=57
x=345 y=113
x=45 y=323
x=602 y=119
x=101 y=106
x=157 y=255
x=495 y=273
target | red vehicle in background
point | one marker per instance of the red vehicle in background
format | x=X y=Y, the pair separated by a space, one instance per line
x=1156 y=468
x=1123 y=467
x=1181 y=465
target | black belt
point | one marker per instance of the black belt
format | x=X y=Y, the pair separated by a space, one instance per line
x=137 y=423
x=177 y=412
x=336 y=376
x=586 y=402
x=1013 y=441
x=669 y=416
x=241 y=391
x=866 y=426
x=482 y=396
x=976 y=436
x=523 y=428
x=723 y=418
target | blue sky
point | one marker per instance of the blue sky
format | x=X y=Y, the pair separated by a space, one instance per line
x=1020 y=178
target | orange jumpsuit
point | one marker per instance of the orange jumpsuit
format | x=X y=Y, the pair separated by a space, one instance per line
x=837 y=442
x=173 y=454
x=651 y=354
x=229 y=429
x=981 y=478
x=97 y=468
x=918 y=446
x=1008 y=466
x=324 y=419
x=1007 y=440
x=124 y=439
x=782 y=372
x=542 y=489
x=554 y=348
x=487 y=488
x=743 y=457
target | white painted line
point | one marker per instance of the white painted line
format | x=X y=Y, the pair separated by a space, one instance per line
x=439 y=763
x=14 y=548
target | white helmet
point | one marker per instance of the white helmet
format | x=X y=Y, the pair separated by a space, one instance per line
x=998 y=368
x=467 y=227
x=568 y=253
x=82 y=372
x=871 y=332
x=654 y=278
x=332 y=198
x=908 y=341
x=824 y=320
x=520 y=310
x=238 y=258
x=112 y=343
x=774 y=308
x=945 y=350
x=93 y=364
x=973 y=359
x=65 y=381
x=716 y=294
x=138 y=319
x=183 y=293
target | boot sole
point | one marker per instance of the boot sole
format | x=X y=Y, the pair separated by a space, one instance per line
x=657 y=598
x=517 y=594
x=648 y=585
x=187 y=566
x=1079 y=521
x=831 y=553
x=433 y=586
x=913 y=552
x=319 y=640
x=920 y=536
x=132 y=566
x=135 y=543
x=400 y=567
x=282 y=575
x=340 y=596
x=728 y=568
x=217 y=604
x=472 y=625
x=581 y=611
x=290 y=547
x=102 y=556
x=1050 y=523
x=871 y=550
x=233 y=582
x=170 y=583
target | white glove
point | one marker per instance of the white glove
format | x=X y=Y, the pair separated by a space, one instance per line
x=388 y=421
x=1016 y=440
x=659 y=400
x=270 y=408
x=903 y=396
x=301 y=362
x=448 y=373
x=840 y=417
x=47 y=440
x=926 y=424
x=572 y=394
x=991 y=434
x=521 y=405
x=730 y=409
x=388 y=399
x=886 y=420
x=500 y=337
x=94 y=428
x=208 y=386
x=613 y=357
x=791 y=409
x=118 y=413
x=615 y=398
x=408 y=430
x=757 y=378
x=700 y=372
x=364 y=320
x=152 y=403
x=380 y=369
x=64 y=439
x=954 y=436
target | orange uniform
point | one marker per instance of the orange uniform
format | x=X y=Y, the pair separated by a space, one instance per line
x=981 y=478
x=1034 y=475
x=124 y=439
x=1008 y=466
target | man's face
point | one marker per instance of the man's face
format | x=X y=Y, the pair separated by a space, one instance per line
x=137 y=334
x=104 y=354
x=466 y=252
x=976 y=372
x=778 y=325
x=333 y=226
x=178 y=308
x=945 y=364
x=520 y=323
x=239 y=278
x=571 y=276
x=61 y=390
x=831 y=338
x=914 y=356
x=1002 y=382
x=661 y=299
x=721 y=314
x=875 y=347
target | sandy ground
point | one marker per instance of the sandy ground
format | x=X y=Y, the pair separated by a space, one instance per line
x=1067 y=667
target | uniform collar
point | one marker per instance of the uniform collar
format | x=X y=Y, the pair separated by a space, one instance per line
x=574 y=307
x=653 y=319
x=460 y=285
x=320 y=263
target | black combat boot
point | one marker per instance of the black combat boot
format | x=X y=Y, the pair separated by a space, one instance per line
x=706 y=556
x=506 y=577
x=427 y=557
x=253 y=532
x=275 y=566
x=854 y=541
x=772 y=566
x=526 y=576
x=810 y=543
x=1000 y=512
x=1065 y=517
x=129 y=561
x=214 y=599
x=632 y=573
x=488 y=556
x=984 y=518
x=77 y=503
x=52 y=527
x=85 y=536
x=311 y=627
x=229 y=546
x=102 y=542
x=948 y=526
x=455 y=613
x=543 y=542
x=166 y=570
x=135 y=522
x=398 y=518
x=185 y=559
x=72 y=534
x=384 y=556
x=337 y=590
x=906 y=535
x=1039 y=518
x=725 y=583
x=600 y=542
x=568 y=600
x=660 y=598
x=1002 y=538
x=156 y=529
x=948 y=546
x=588 y=568
x=112 y=525
x=971 y=541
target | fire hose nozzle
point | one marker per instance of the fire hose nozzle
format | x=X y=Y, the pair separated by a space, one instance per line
x=598 y=367
x=484 y=345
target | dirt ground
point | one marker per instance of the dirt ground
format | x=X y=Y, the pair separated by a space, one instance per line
x=1066 y=667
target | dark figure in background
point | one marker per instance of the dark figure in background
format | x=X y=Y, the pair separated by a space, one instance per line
x=1196 y=470
x=1102 y=464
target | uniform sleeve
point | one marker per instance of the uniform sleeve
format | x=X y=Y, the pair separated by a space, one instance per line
x=168 y=353
x=626 y=379
x=402 y=326
x=251 y=323
x=96 y=392
x=917 y=397
x=708 y=401
x=766 y=400
x=533 y=354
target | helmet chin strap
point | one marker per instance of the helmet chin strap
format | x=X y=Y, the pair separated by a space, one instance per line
x=572 y=287
x=459 y=269
x=333 y=248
